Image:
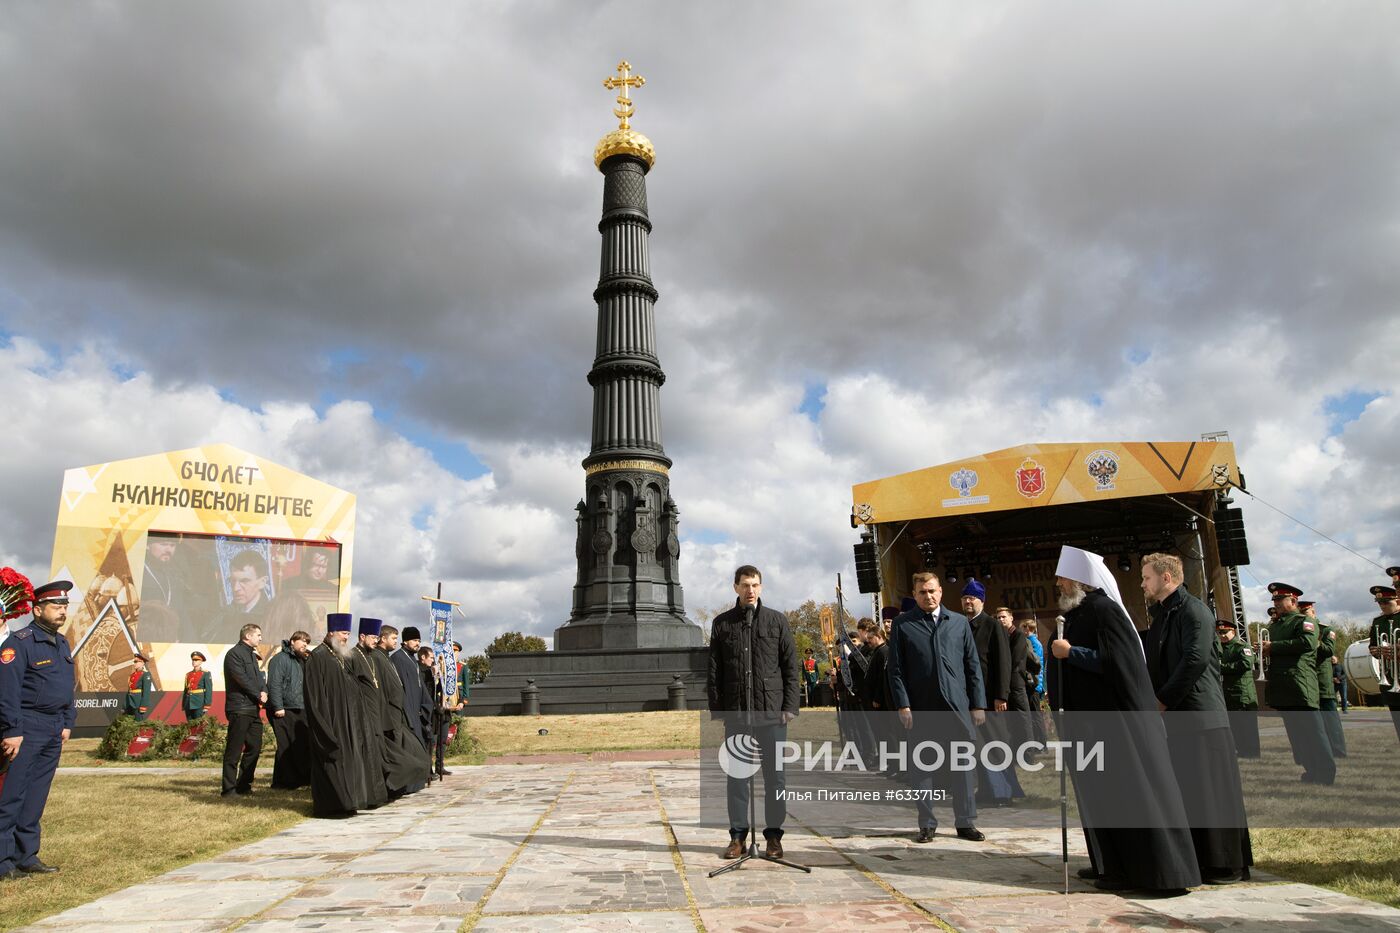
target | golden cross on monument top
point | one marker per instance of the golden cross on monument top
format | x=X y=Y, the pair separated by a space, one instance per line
x=625 y=80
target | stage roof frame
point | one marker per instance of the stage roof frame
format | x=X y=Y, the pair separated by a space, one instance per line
x=1037 y=475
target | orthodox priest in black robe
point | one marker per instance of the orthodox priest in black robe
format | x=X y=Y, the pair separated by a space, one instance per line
x=406 y=663
x=406 y=763
x=1134 y=822
x=1183 y=656
x=370 y=718
x=332 y=706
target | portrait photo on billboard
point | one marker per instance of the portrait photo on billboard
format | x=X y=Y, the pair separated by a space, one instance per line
x=202 y=589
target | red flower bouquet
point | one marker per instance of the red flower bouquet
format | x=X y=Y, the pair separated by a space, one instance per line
x=16 y=594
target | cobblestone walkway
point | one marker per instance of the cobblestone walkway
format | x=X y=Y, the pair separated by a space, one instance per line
x=615 y=844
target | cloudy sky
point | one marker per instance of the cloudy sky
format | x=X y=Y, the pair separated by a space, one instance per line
x=361 y=240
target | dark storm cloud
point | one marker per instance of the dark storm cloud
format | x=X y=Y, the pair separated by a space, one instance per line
x=239 y=192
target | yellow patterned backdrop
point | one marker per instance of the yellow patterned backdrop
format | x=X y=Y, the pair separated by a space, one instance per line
x=106 y=512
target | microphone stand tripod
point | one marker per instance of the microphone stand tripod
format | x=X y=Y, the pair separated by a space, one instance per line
x=1059 y=735
x=753 y=852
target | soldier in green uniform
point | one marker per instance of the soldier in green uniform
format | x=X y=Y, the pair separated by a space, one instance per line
x=1326 y=690
x=199 y=688
x=1237 y=677
x=1292 y=687
x=1387 y=624
x=139 y=689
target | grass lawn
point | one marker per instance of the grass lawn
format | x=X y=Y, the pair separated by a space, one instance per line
x=605 y=732
x=106 y=832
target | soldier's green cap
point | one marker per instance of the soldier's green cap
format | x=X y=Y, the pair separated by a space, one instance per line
x=1284 y=589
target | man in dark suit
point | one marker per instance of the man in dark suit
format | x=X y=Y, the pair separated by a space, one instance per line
x=755 y=684
x=936 y=684
x=245 y=692
x=994 y=653
x=1183 y=659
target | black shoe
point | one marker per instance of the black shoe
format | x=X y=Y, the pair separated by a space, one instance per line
x=1003 y=802
x=1306 y=778
x=14 y=874
x=1111 y=884
x=1088 y=874
x=242 y=791
x=1228 y=877
x=37 y=868
x=926 y=835
x=227 y=793
x=443 y=772
x=971 y=834
x=1163 y=892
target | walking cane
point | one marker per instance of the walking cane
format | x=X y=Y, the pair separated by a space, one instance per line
x=1059 y=735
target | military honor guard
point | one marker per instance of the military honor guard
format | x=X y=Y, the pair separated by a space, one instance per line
x=139 y=690
x=199 y=688
x=1104 y=678
x=1237 y=682
x=1326 y=690
x=1384 y=629
x=36 y=718
x=1183 y=659
x=1292 y=686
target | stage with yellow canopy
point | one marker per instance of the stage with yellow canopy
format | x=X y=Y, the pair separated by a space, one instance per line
x=1002 y=516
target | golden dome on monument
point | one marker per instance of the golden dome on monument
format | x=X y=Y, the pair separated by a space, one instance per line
x=624 y=142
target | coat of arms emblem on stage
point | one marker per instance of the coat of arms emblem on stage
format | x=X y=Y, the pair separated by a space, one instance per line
x=1030 y=479
x=963 y=481
x=1103 y=467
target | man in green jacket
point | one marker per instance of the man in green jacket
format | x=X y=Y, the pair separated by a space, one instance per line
x=286 y=711
x=139 y=690
x=1387 y=624
x=1237 y=678
x=1292 y=688
x=1326 y=691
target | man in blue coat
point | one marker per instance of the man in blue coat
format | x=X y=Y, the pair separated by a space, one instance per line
x=936 y=682
x=36 y=718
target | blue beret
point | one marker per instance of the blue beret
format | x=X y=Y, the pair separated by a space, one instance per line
x=975 y=589
x=338 y=622
x=370 y=626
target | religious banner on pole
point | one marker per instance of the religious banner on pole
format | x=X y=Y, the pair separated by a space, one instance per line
x=439 y=637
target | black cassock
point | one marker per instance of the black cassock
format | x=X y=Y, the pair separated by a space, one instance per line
x=1107 y=673
x=332 y=715
x=406 y=764
x=1183 y=656
x=371 y=722
x=413 y=702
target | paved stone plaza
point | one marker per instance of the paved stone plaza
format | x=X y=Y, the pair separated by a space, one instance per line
x=605 y=843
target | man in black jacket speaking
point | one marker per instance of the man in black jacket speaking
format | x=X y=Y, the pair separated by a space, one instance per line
x=755 y=683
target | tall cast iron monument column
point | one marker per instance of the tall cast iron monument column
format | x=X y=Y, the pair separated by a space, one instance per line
x=627 y=593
